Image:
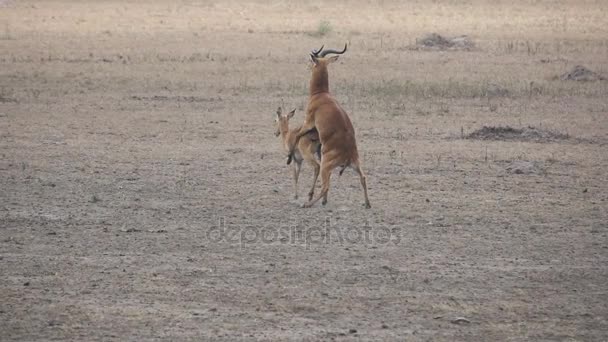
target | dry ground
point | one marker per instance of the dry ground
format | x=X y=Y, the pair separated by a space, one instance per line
x=145 y=197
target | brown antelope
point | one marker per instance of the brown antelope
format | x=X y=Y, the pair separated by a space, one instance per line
x=306 y=148
x=336 y=132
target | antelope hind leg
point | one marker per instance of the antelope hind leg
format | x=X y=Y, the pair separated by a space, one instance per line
x=325 y=175
x=317 y=169
x=362 y=178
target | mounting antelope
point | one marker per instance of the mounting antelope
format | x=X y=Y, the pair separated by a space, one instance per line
x=336 y=132
x=306 y=148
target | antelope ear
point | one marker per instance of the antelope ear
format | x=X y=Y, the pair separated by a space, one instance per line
x=314 y=59
x=291 y=114
x=332 y=59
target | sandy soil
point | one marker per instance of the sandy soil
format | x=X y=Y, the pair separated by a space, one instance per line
x=144 y=195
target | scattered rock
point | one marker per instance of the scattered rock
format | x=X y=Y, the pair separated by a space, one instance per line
x=352 y=331
x=235 y=150
x=554 y=60
x=580 y=73
x=460 y=320
x=150 y=231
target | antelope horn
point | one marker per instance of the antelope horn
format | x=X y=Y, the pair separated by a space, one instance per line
x=316 y=52
x=327 y=52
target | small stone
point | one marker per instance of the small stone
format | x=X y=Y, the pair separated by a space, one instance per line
x=460 y=320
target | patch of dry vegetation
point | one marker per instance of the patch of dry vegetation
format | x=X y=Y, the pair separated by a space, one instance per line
x=580 y=73
x=434 y=41
x=508 y=133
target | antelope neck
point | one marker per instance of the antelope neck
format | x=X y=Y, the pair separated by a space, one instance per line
x=319 y=82
x=284 y=130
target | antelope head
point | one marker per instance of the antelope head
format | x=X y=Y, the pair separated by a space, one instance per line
x=319 y=82
x=317 y=57
x=282 y=121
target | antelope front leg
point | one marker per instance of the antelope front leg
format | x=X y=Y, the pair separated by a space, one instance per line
x=296 y=174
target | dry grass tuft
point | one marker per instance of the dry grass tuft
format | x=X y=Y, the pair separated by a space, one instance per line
x=323 y=29
x=580 y=73
x=525 y=167
x=434 y=41
x=508 y=133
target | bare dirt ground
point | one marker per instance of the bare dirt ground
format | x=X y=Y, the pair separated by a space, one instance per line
x=145 y=197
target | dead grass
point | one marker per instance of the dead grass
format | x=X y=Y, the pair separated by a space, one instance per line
x=517 y=134
x=323 y=29
x=580 y=73
x=434 y=41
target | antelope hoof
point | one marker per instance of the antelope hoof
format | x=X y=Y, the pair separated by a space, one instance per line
x=295 y=196
x=324 y=202
x=367 y=205
x=310 y=196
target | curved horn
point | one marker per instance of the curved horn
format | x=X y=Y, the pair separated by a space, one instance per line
x=316 y=52
x=327 y=52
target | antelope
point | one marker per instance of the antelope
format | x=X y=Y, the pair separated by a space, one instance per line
x=306 y=148
x=336 y=132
